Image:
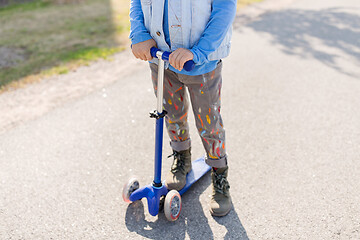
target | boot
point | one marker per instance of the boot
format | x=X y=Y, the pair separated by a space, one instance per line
x=220 y=204
x=176 y=178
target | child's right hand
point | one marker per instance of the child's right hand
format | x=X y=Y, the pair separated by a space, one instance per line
x=141 y=50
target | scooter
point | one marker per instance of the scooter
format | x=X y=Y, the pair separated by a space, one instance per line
x=155 y=192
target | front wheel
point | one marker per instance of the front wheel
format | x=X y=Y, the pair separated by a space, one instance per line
x=172 y=205
x=129 y=188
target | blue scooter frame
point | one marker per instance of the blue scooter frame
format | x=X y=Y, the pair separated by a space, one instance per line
x=153 y=192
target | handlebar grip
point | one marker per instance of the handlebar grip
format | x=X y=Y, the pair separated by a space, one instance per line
x=188 y=66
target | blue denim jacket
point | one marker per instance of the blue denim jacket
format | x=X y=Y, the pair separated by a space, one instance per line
x=203 y=26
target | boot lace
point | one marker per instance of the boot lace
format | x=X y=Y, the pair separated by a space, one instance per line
x=221 y=184
x=178 y=164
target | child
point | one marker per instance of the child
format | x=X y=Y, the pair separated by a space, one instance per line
x=198 y=30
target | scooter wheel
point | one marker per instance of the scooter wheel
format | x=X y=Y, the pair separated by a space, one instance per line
x=172 y=206
x=129 y=188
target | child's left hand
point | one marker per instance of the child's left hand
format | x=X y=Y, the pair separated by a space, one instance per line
x=179 y=57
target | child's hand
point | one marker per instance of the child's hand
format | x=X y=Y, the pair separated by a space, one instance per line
x=179 y=57
x=141 y=50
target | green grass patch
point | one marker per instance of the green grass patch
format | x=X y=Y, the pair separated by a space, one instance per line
x=90 y=54
x=27 y=6
x=53 y=37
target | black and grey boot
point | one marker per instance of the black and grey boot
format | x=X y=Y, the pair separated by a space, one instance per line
x=220 y=204
x=176 y=178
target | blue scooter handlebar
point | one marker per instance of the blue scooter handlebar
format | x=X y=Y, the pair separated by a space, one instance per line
x=188 y=66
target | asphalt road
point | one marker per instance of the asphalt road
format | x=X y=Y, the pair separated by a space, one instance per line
x=290 y=106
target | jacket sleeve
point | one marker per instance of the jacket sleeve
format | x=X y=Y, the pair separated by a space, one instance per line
x=221 y=18
x=138 y=32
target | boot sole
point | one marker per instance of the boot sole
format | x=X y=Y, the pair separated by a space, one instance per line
x=219 y=214
x=174 y=188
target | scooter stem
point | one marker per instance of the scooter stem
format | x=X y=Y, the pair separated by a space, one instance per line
x=159 y=122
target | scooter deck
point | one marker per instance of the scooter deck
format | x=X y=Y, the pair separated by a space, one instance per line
x=199 y=168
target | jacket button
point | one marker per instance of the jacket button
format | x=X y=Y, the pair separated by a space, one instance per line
x=158 y=33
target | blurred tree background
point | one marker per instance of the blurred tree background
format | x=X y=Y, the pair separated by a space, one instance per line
x=46 y=37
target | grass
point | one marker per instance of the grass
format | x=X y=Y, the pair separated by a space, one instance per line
x=11 y=8
x=57 y=38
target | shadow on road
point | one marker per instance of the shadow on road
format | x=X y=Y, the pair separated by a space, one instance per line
x=234 y=227
x=332 y=36
x=192 y=220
